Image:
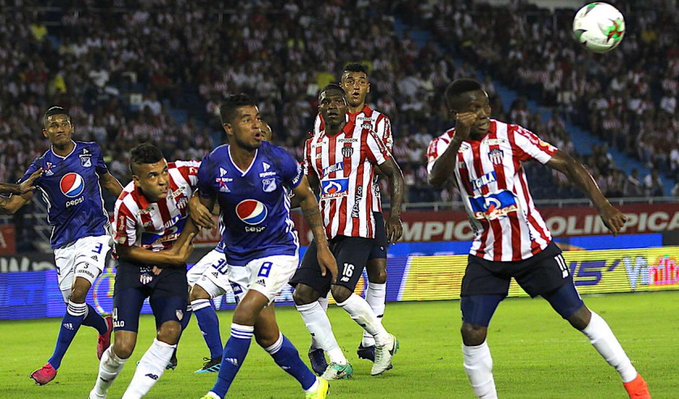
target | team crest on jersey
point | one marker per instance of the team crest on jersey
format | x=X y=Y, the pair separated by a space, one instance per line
x=334 y=188
x=72 y=185
x=496 y=156
x=347 y=152
x=269 y=185
x=85 y=158
x=251 y=211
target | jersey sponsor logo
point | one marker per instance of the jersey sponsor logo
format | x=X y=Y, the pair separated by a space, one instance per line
x=251 y=211
x=334 y=188
x=72 y=185
x=495 y=156
x=494 y=206
x=48 y=169
x=269 y=185
x=267 y=174
x=351 y=140
x=339 y=166
x=266 y=166
x=222 y=172
x=223 y=187
x=484 y=180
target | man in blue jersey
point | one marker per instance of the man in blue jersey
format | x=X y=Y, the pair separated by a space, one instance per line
x=73 y=174
x=251 y=180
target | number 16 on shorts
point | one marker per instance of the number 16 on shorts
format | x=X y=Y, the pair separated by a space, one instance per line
x=347 y=272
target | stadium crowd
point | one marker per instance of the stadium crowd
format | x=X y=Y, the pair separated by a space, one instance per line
x=156 y=71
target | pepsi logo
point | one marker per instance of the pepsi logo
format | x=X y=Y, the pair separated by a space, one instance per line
x=251 y=211
x=72 y=185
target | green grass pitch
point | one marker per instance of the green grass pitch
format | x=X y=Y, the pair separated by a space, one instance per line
x=536 y=355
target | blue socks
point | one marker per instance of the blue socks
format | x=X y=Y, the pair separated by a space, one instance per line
x=234 y=355
x=69 y=327
x=94 y=319
x=287 y=358
x=208 y=322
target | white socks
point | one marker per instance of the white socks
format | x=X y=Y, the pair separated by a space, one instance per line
x=376 y=297
x=199 y=304
x=109 y=368
x=360 y=312
x=318 y=324
x=605 y=342
x=479 y=367
x=149 y=370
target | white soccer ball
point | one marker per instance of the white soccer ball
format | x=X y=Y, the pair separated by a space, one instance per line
x=599 y=27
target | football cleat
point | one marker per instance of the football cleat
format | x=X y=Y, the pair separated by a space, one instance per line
x=44 y=375
x=366 y=352
x=172 y=364
x=383 y=356
x=318 y=362
x=105 y=340
x=337 y=371
x=210 y=366
x=93 y=395
x=637 y=388
x=321 y=392
x=211 y=395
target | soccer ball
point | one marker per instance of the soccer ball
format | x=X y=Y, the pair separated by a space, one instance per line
x=599 y=27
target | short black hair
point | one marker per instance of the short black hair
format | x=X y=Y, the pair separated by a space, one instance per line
x=227 y=110
x=145 y=153
x=332 y=86
x=355 y=67
x=54 y=110
x=458 y=87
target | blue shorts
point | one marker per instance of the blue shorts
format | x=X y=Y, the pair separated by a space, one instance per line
x=167 y=293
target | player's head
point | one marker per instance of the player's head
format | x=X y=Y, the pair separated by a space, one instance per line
x=355 y=83
x=267 y=132
x=467 y=95
x=332 y=104
x=149 y=171
x=57 y=126
x=242 y=122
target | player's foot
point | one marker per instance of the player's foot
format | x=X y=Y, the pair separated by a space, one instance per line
x=637 y=388
x=383 y=356
x=172 y=364
x=366 y=352
x=44 y=375
x=210 y=366
x=321 y=392
x=105 y=340
x=211 y=395
x=337 y=371
x=93 y=395
x=317 y=359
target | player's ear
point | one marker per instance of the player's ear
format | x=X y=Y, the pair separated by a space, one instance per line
x=368 y=91
x=44 y=133
x=228 y=128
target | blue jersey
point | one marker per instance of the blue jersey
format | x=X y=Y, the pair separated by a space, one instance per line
x=70 y=187
x=254 y=204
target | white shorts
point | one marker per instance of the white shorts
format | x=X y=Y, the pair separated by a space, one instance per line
x=210 y=273
x=85 y=258
x=267 y=275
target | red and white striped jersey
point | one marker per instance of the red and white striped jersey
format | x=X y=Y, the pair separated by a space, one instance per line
x=495 y=193
x=156 y=225
x=344 y=164
x=368 y=118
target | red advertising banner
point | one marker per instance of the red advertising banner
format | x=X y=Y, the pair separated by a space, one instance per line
x=430 y=226
x=7 y=239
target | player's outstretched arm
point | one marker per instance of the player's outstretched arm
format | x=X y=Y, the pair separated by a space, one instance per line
x=175 y=257
x=576 y=172
x=12 y=204
x=24 y=187
x=111 y=184
x=393 y=225
x=312 y=214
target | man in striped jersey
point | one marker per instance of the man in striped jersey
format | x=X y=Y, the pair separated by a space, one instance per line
x=356 y=84
x=340 y=162
x=150 y=215
x=512 y=240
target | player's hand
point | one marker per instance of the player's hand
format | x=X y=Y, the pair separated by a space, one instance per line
x=28 y=185
x=463 y=124
x=200 y=214
x=182 y=252
x=327 y=262
x=394 y=229
x=613 y=218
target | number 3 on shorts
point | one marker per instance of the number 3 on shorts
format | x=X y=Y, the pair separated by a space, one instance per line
x=347 y=272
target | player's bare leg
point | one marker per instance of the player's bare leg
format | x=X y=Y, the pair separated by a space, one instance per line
x=375 y=295
x=113 y=361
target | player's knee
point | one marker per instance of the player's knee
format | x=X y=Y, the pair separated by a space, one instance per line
x=123 y=347
x=79 y=294
x=198 y=292
x=377 y=271
x=340 y=293
x=581 y=318
x=304 y=295
x=169 y=332
x=473 y=335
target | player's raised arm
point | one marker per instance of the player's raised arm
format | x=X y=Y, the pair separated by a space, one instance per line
x=576 y=172
x=442 y=166
x=312 y=214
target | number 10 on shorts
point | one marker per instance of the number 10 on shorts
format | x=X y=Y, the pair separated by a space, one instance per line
x=347 y=272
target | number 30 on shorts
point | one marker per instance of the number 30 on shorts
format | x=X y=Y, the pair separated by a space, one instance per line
x=347 y=272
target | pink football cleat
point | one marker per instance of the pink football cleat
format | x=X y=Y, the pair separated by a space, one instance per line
x=105 y=340
x=44 y=375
